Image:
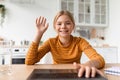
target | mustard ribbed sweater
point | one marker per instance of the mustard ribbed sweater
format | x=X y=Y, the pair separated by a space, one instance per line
x=63 y=55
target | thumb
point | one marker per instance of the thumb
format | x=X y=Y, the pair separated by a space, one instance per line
x=77 y=66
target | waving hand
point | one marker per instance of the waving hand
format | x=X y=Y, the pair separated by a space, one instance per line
x=41 y=24
x=41 y=27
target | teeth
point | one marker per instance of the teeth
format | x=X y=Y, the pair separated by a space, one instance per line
x=63 y=31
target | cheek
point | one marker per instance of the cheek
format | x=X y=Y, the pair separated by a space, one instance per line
x=56 y=28
x=72 y=28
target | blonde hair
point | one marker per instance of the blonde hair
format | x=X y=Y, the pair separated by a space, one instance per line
x=63 y=12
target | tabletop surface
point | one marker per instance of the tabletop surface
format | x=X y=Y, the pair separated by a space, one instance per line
x=22 y=71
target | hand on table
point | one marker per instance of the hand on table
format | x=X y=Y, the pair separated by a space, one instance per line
x=89 y=71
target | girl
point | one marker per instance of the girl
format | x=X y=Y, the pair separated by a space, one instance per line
x=65 y=48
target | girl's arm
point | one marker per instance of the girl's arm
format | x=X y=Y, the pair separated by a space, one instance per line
x=32 y=54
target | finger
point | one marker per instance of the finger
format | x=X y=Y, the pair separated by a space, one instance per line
x=87 y=71
x=81 y=69
x=38 y=21
x=81 y=72
x=93 y=72
x=44 y=21
x=41 y=20
x=74 y=63
x=77 y=66
x=46 y=25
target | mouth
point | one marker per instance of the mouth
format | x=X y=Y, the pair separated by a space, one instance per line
x=64 y=31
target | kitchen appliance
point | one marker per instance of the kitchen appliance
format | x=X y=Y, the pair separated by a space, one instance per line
x=18 y=55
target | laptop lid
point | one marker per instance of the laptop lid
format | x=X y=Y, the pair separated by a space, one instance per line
x=59 y=74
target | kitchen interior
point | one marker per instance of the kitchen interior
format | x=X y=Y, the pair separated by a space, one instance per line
x=96 y=20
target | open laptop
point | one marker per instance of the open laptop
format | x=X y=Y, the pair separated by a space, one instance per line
x=59 y=74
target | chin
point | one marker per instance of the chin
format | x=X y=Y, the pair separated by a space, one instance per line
x=64 y=35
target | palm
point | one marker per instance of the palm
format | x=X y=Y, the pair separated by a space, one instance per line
x=41 y=24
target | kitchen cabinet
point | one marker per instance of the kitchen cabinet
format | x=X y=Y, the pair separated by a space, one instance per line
x=47 y=59
x=18 y=54
x=93 y=13
x=110 y=54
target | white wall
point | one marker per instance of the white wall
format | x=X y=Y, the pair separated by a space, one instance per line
x=113 y=31
x=20 y=21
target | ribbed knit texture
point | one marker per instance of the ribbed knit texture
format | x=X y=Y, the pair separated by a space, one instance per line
x=63 y=55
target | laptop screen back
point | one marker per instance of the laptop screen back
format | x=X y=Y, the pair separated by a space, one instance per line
x=59 y=74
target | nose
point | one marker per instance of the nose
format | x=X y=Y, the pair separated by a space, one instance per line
x=63 y=26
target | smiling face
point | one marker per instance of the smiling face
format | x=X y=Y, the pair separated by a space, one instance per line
x=64 y=26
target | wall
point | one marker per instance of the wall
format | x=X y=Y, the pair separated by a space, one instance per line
x=112 y=32
x=20 y=21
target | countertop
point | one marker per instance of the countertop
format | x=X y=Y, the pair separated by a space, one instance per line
x=22 y=71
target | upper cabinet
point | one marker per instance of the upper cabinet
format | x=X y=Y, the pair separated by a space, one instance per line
x=93 y=13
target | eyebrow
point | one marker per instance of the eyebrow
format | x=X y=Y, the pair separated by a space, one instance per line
x=65 y=21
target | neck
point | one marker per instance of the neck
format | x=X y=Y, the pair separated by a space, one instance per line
x=65 y=41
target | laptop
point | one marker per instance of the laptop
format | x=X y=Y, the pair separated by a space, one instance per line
x=59 y=74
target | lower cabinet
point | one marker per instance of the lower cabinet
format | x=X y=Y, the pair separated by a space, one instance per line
x=47 y=59
x=18 y=60
x=110 y=54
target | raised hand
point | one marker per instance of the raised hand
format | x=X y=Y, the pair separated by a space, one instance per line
x=41 y=25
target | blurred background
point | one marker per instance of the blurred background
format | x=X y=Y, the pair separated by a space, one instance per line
x=96 y=20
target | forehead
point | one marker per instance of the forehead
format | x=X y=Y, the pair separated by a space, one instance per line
x=63 y=18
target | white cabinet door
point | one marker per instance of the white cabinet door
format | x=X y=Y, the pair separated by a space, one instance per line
x=47 y=59
x=87 y=12
x=110 y=54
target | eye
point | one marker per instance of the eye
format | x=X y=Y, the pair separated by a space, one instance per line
x=58 y=23
x=68 y=23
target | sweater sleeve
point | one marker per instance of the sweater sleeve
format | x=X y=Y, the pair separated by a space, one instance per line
x=95 y=58
x=31 y=57
x=36 y=52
